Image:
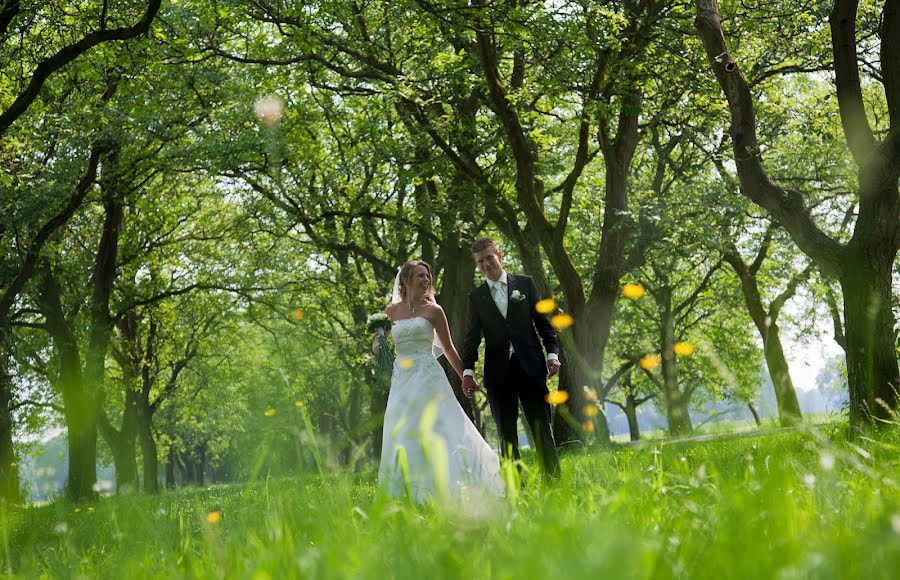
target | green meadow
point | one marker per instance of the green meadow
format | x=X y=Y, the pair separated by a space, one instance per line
x=796 y=504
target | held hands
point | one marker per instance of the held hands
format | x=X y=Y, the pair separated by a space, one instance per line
x=469 y=386
x=552 y=367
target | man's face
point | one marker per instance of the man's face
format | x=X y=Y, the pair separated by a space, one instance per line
x=488 y=261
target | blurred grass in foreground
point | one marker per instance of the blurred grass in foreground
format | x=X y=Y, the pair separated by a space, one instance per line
x=787 y=505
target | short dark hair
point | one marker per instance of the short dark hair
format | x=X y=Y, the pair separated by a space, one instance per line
x=483 y=244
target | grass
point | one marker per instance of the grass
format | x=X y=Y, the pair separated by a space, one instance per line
x=787 y=505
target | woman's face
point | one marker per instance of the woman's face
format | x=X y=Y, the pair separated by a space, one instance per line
x=419 y=280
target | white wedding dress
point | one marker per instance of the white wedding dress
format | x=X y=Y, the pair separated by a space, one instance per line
x=430 y=448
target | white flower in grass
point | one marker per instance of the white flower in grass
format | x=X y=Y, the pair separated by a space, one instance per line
x=895 y=522
x=102 y=485
x=826 y=461
x=810 y=480
x=61 y=528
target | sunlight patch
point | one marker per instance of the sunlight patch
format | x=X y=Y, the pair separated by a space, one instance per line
x=269 y=110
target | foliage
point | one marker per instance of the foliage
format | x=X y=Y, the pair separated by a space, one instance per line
x=655 y=511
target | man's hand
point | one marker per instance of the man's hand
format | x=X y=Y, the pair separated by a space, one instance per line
x=469 y=386
x=376 y=344
x=553 y=367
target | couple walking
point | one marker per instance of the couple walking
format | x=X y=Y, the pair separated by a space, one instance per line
x=430 y=446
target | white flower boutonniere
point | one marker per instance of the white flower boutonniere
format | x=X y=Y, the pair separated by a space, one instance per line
x=516 y=296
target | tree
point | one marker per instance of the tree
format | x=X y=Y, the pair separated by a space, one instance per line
x=766 y=321
x=864 y=264
x=21 y=87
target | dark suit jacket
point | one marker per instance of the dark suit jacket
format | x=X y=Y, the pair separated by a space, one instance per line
x=521 y=328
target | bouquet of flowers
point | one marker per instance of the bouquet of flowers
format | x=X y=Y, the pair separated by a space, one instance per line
x=379 y=324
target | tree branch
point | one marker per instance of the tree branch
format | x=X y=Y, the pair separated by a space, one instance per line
x=842 y=21
x=785 y=206
x=67 y=54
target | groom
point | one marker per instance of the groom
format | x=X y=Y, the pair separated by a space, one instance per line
x=502 y=310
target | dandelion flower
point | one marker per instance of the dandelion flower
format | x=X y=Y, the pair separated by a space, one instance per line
x=588 y=426
x=562 y=321
x=214 y=517
x=13 y=465
x=78 y=510
x=297 y=314
x=270 y=412
x=684 y=348
x=406 y=363
x=650 y=361
x=556 y=397
x=298 y=404
x=591 y=411
x=545 y=306
x=633 y=291
x=91 y=509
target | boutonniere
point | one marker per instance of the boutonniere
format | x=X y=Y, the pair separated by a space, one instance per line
x=516 y=296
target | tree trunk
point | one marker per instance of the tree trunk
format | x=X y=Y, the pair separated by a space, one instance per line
x=581 y=367
x=754 y=413
x=785 y=394
x=869 y=325
x=766 y=324
x=200 y=466
x=634 y=430
x=170 y=469
x=124 y=459
x=677 y=411
x=121 y=441
x=459 y=275
x=81 y=424
x=9 y=469
x=149 y=453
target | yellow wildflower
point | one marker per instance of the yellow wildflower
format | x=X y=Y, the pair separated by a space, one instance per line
x=650 y=361
x=214 y=517
x=562 y=321
x=270 y=412
x=684 y=348
x=556 y=397
x=545 y=306
x=633 y=291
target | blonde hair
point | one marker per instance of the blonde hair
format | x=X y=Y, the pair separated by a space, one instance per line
x=406 y=272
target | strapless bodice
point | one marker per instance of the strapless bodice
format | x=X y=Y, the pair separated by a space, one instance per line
x=413 y=337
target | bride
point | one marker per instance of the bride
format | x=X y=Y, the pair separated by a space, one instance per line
x=430 y=447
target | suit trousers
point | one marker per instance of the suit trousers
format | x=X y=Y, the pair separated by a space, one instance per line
x=504 y=399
